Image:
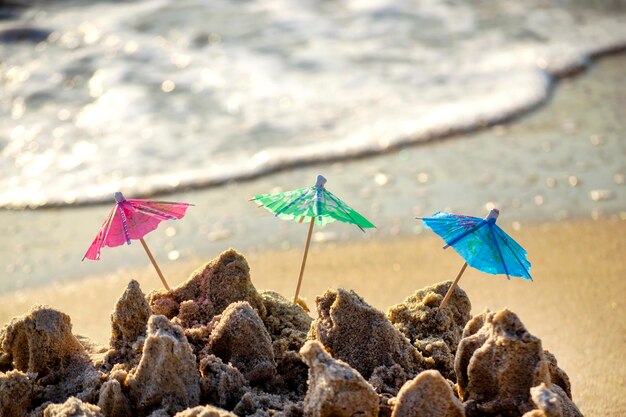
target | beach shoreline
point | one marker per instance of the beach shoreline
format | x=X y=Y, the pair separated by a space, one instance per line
x=574 y=303
x=563 y=162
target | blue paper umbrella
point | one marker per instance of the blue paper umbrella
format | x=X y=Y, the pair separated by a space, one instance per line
x=481 y=243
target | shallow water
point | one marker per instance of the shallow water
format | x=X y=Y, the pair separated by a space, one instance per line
x=155 y=95
x=564 y=161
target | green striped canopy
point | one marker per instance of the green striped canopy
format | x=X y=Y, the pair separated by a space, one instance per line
x=307 y=203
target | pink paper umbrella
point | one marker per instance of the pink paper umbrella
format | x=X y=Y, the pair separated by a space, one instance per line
x=133 y=219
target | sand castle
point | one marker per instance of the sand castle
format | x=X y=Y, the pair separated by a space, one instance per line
x=215 y=347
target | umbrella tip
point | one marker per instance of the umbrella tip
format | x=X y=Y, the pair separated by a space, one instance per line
x=493 y=214
x=320 y=182
x=119 y=197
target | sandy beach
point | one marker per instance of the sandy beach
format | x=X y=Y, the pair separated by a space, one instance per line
x=547 y=150
x=575 y=303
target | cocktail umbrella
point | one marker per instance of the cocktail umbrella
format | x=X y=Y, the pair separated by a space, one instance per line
x=133 y=219
x=315 y=204
x=481 y=243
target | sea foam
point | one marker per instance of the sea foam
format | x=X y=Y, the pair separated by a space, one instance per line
x=156 y=95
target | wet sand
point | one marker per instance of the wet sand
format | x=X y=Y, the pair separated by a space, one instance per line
x=575 y=304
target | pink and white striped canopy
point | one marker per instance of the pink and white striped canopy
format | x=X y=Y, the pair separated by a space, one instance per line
x=132 y=219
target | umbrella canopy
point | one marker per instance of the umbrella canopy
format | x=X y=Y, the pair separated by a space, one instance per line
x=132 y=219
x=481 y=243
x=315 y=204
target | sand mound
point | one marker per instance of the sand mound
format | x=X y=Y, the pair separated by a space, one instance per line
x=16 y=393
x=128 y=326
x=283 y=316
x=434 y=332
x=112 y=401
x=73 y=407
x=287 y=324
x=361 y=336
x=205 y=411
x=427 y=395
x=208 y=291
x=335 y=389
x=557 y=375
x=221 y=384
x=167 y=376
x=41 y=344
x=551 y=403
x=240 y=337
x=498 y=362
x=216 y=347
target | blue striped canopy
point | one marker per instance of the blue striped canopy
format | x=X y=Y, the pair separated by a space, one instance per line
x=481 y=243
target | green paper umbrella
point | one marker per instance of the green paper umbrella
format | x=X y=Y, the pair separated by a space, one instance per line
x=315 y=204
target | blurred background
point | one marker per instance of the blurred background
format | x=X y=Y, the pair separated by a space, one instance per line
x=407 y=107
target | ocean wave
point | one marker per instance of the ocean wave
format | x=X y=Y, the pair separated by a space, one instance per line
x=153 y=96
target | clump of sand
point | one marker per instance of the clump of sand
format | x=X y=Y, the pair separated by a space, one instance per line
x=205 y=411
x=361 y=336
x=288 y=325
x=128 y=326
x=238 y=336
x=167 y=376
x=215 y=346
x=16 y=393
x=498 y=362
x=112 y=400
x=335 y=389
x=209 y=290
x=73 y=407
x=55 y=364
x=551 y=403
x=222 y=384
x=41 y=342
x=434 y=332
x=427 y=394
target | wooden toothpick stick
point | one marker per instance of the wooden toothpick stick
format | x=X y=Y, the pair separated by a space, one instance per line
x=154 y=264
x=453 y=286
x=306 y=252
